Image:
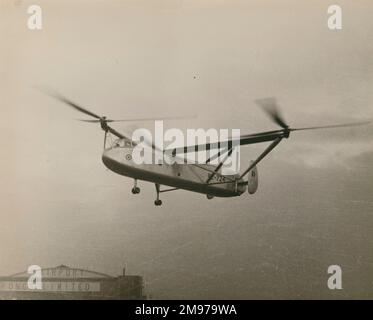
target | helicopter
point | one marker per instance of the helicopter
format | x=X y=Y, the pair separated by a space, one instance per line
x=205 y=178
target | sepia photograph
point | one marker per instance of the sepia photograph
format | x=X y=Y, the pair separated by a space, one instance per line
x=188 y=150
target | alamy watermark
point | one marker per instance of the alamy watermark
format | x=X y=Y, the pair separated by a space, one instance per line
x=172 y=146
x=34 y=282
x=335 y=17
x=34 y=20
x=335 y=280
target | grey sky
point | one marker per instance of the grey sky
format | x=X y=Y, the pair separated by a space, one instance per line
x=212 y=58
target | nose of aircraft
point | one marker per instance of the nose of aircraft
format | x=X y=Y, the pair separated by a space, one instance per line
x=108 y=157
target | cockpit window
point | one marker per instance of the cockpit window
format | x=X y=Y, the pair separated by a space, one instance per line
x=122 y=143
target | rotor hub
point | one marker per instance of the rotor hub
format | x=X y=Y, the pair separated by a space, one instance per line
x=103 y=123
x=287 y=132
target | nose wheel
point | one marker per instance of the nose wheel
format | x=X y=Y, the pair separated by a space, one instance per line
x=135 y=189
x=157 y=201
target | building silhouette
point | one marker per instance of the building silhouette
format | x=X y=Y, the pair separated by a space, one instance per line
x=63 y=282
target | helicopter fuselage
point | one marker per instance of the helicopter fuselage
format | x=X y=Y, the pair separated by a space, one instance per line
x=183 y=176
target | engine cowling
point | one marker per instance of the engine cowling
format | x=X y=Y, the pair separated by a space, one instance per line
x=252 y=180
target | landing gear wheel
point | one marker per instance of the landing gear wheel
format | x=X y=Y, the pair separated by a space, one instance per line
x=209 y=196
x=157 y=202
x=135 y=190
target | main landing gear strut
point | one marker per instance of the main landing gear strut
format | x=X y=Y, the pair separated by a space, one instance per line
x=135 y=189
x=157 y=201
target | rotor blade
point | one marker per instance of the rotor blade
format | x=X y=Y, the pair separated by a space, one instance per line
x=152 y=119
x=109 y=120
x=91 y=121
x=139 y=119
x=70 y=103
x=270 y=106
x=353 y=124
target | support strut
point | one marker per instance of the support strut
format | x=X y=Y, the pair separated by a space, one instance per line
x=157 y=201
